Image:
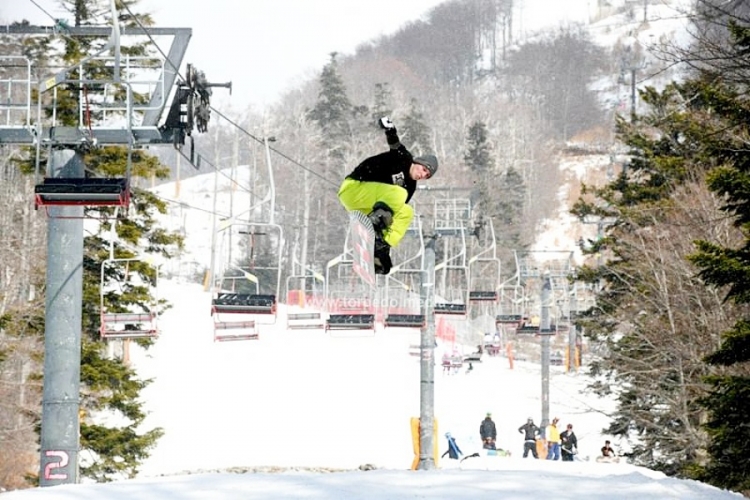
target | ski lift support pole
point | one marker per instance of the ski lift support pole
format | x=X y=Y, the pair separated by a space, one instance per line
x=545 y=333
x=427 y=359
x=60 y=422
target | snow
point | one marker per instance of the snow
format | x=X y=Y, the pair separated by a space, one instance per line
x=296 y=413
x=511 y=481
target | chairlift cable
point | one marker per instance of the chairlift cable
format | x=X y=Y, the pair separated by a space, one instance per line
x=222 y=115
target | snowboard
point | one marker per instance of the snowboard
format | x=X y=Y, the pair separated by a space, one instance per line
x=362 y=237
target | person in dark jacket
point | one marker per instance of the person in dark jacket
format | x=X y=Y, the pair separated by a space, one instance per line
x=568 y=444
x=488 y=432
x=381 y=187
x=607 y=450
x=453 y=451
x=530 y=431
x=608 y=454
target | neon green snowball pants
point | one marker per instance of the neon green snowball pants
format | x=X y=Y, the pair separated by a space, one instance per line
x=361 y=196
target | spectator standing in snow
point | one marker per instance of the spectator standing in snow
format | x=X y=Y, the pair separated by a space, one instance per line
x=553 y=440
x=569 y=444
x=453 y=450
x=488 y=432
x=530 y=432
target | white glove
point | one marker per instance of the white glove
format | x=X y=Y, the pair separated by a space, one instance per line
x=386 y=123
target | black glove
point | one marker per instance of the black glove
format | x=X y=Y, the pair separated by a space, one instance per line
x=391 y=135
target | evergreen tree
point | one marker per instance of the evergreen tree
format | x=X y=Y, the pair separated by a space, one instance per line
x=498 y=196
x=728 y=268
x=383 y=96
x=107 y=384
x=332 y=112
x=414 y=132
x=655 y=317
x=478 y=158
x=509 y=195
x=115 y=451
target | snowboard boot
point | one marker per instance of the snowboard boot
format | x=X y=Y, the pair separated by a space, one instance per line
x=382 y=255
x=381 y=217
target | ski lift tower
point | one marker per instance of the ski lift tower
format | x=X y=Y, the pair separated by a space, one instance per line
x=547 y=271
x=444 y=291
x=108 y=113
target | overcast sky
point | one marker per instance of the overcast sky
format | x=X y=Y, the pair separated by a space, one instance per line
x=269 y=46
x=265 y=47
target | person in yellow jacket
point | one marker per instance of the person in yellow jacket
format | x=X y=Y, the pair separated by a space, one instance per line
x=553 y=440
x=381 y=187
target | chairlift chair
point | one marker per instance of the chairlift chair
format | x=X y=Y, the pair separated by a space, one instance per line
x=349 y=300
x=302 y=290
x=238 y=306
x=403 y=302
x=452 y=218
x=350 y=315
x=56 y=191
x=484 y=266
x=236 y=314
x=129 y=323
x=403 y=284
x=81 y=190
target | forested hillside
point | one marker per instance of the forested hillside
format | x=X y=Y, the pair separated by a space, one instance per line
x=441 y=80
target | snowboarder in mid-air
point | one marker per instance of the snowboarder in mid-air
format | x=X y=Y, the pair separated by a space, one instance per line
x=381 y=187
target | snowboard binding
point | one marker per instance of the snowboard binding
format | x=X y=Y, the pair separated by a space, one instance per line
x=381 y=217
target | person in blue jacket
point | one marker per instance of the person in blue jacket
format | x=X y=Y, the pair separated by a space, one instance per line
x=453 y=450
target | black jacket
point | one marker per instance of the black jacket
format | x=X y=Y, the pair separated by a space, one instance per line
x=530 y=431
x=487 y=429
x=568 y=441
x=391 y=167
